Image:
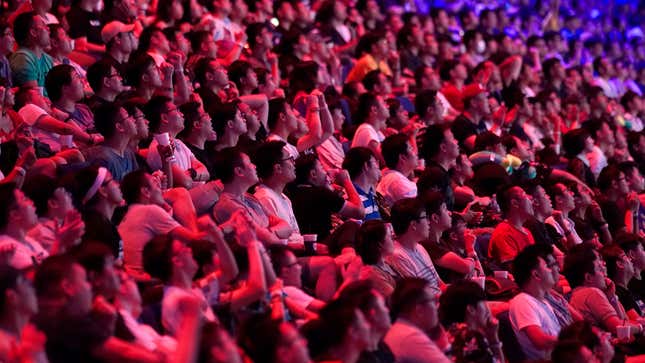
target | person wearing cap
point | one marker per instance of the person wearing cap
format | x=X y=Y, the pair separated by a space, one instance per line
x=119 y=42
x=470 y=123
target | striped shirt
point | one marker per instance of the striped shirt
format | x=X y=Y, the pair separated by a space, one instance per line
x=414 y=263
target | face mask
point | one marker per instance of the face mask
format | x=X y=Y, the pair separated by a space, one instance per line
x=481 y=46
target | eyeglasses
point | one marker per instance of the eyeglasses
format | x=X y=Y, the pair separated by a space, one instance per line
x=290 y=158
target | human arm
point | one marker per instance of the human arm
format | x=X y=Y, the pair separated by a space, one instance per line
x=353 y=207
x=314 y=135
x=454 y=262
x=539 y=339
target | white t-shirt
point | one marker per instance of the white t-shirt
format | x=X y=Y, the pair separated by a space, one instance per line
x=141 y=223
x=525 y=311
x=365 y=133
x=299 y=297
x=280 y=206
x=570 y=226
x=146 y=336
x=331 y=153
x=394 y=186
x=26 y=254
x=182 y=153
x=31 y=113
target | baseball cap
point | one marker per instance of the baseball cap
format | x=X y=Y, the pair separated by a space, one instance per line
x=111 y=29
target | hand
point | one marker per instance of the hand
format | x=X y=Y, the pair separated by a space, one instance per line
x=632 y=201
x=27 y=158
x=312 y=101
x=73 y=228
x=101 y=306
x=492 y=330
x=500 y=115
x=165 y=151
x=167 y=70
x=272 y=58
x=97 y=138
x=557 y=215
x=6 y=253
x=469 y=241
x=246 y=235
x=596 y=212
x=341 y=177
x=238 y=218
x=176 y=59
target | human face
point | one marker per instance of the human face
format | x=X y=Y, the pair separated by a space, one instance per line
x=545 y=275
x=445 y=217
x=248 y=170
x=288 y=166
x=623 y=187
x=635 y=180
x=597 y=279
x=291 y=271
x=638 y=257
x=74 y=91
x=372 y=170
x=427 y=310
x=239 y=124
x=153 y=187
x=319 y=175
x=480 y=314
x=174 y=118
x=6 y=42
x=64 y=42
x=250 y=117
x=183 y=259
x=450 y=146
x=159 y=42
x=142 y=124
x=410 y=158
x=205 y=125
x=41 y=32
x=379 y=315
x=113 y=81
x=565 y=198
x=523 y=201
x=420 y=226
x=292 y=347
x=627 y=266
x=431 y=79
x=25 y=210
x=251 y=80
x=339 y=118
x=126 y=123
x=111 y=191
x=553 y=264
x=79 y=290
x=154 y=76
x=387 y=247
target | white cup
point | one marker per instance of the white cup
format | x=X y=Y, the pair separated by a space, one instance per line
x=481 y=281
x=501 y=274
x=622 y=331
x=66 y=140
x=163 y=139
x=310 y=237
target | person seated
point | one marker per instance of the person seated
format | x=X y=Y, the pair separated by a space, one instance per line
x=269 y=340
x=585 y=271
x=362 y=167
x=374 y=245
x=30 y=63
x=410 y=259
x=414 y=309
x=464 y=312
x=401 y=160
x=532 y=317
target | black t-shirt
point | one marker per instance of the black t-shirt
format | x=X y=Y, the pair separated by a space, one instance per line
x=382 y=354
x=313 y=207
x=629 y=300
x=72 y=338
x=83 y=23
x=204 y=156
x=614 y=215
x=543 y=233
x=100 y=229
x=462 y=128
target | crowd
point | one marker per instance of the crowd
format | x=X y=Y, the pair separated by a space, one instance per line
x=319 y=180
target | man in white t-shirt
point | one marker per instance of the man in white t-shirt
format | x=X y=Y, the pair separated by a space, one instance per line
x=401 y=160
x=372 y=114
x=534 y=321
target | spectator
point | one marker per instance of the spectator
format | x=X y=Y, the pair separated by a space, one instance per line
x=374 y=245
x=106 y=82
x=30 y=63
x=401 y=161
x=362 y=168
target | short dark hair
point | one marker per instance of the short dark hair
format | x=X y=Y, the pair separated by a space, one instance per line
x=356 y=159
x=371 y=79
x=566 y=351
x=221 y=114
x=225 y=163
x=423 y=100
x=238 y=70
x=253 y=30
x=608 y=174
x=304 y=165
x=408 y=293
x=51 y=273
x=197 y=38
x=628 y=241
x=582 y=331
x=57 y=77
x=105 y=118
x=190 y=110
x=524 y=264
x=137 y=67
x=202 y=66
x=366 y=42
x=97 y=72
x=432 y=140
x=22 y=25
x=131 y=185
x=93 y=256
x=277 y=106
x=403 y=212
x=393 y=147
x=365 y=103
x=574 y=141
x=432 y=201
x=146 y=37
x=369 y=240
x=359 y=294
x=7 y=201
x=40 y=189
x=266 y=156
x=157 y=257
x=153 y=110
x=485 y=140
x=504 y=196
x=457 y=297
x=579 y=262
x=611 y=253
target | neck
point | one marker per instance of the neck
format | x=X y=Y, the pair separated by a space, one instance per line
x=445 y=163
x=66 y=104
x=229 y=139
x=37 y=50
x=534 y=290
x=13 y=323
x=145 y=92
x=516 y=220
x=259 y=52
x=106 y=95
x=58 y=56
x=408 y=240
x=375 y=338
x=180 y=280
x=275 y=184
x=435 y=233
x=580 y=211
x=118 y=55
x=363 y=183
x=281 y=131
x=406 y=171
x=196 y=140
x=622 y=279
x=118 y=143
x=105 y=208
x=236 y=188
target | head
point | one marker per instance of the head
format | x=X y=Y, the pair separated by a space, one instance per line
x=17 y=295
x=281 y=115
x=464 y=302
x=234 y=167
x=7 y=41
x=217 y=346
x=438 y=214
x=374 y=241
x=165 y=259
x=360 y=162
x=163 y=116
x=428 y=105
x=98 y=262
x=210 y=73
x=633 y=176
x=92 y=186
x=243 y=75
x=632 y=244
x=286 y=265
x=50 y=198
x=619 y=265
x=63 y=82
x=197 y=123
x=572 y=351
x=596 y=340
x=153 y=39
x=61 y=278
x=408 y=217
x=439 y=144
x=104 y=78
x=30 y=30
x=530 y=269
x=541 y=201
x=309 y=170
x=17 y=210
x=143 y=72
x=273 y=161
x=141 y=187
x=272 y=341
x=113 y=121
x=60 y=42
x=363 y=296
x=583 y=266
x=119 y=37
x=512 y=200
x=612 y=180
x=562 y=197
x=372 y=109
x=414 y=300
